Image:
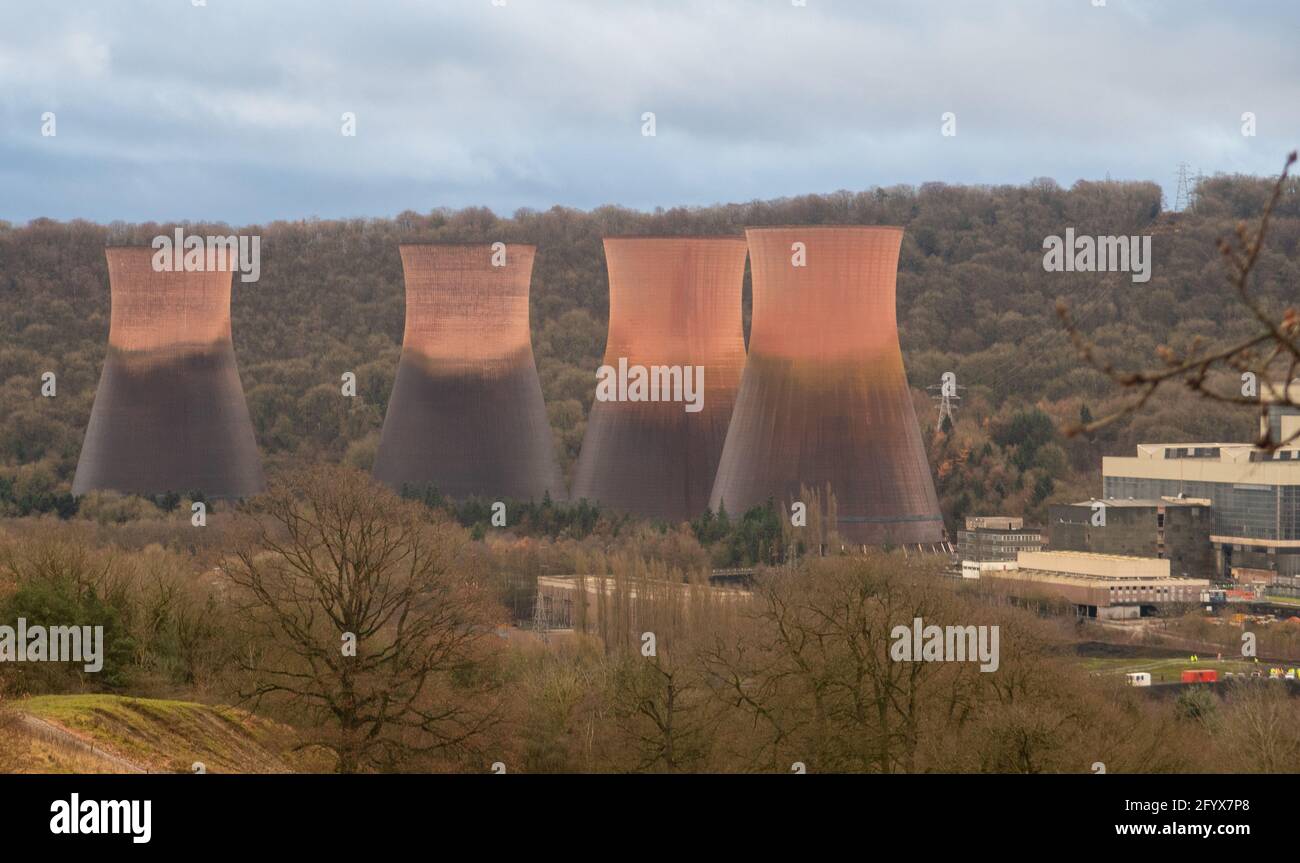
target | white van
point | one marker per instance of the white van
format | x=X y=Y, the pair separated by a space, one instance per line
x=1139 y=678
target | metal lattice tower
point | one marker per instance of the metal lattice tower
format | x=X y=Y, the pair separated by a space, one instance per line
x=947 y=399
x=541 y=620
x=1183 y=199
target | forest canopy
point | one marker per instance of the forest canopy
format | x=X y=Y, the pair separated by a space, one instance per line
x=973 y=299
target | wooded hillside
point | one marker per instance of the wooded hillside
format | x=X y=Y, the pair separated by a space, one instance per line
x=973 y=298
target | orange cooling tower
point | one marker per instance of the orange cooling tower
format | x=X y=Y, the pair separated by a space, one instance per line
x=674 y=311
x=467 y=415
x=169 y=413
x=824 y=397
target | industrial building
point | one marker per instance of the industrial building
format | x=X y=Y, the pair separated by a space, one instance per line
x=674 y=304
x=996 y=538
x=982 y=568
x=605 y=603
x=1109 y=586
x=466 y=414
x=1177 y=529
x=1254 y=497
x=1281 y=419
x=169 y=412
x=824 y=398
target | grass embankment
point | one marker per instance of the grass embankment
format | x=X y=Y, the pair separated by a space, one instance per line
x=1167 y=670
x=161 y=735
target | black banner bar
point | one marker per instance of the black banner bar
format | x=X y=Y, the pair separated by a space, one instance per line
x=509 y=814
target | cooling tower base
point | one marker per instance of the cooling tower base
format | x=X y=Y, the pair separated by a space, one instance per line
x=469 y=433
x=651 y=459
x=922 y=530
x=175 y=423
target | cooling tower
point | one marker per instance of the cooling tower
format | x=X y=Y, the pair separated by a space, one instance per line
x=169 y=413
x=824 y=398
x=674 y=303
x=466 y=415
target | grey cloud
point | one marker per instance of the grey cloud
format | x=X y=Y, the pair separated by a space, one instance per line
x=232 y=111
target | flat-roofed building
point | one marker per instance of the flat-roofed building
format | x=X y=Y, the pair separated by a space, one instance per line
x=977 y=568
x=1113 y=586
x=604 y=603
x=995 y=522
x=996 y=537
x=1255 y=496
x=1177 y=529
x=1281 y=420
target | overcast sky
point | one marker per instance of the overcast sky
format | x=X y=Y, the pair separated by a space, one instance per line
x=233 y=111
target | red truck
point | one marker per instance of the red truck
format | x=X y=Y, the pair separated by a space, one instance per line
x=1208 y=675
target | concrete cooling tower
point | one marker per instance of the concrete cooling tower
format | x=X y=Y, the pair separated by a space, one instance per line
x=466 y=415
x=169 y=413
x=674 y=311
x=824 y=397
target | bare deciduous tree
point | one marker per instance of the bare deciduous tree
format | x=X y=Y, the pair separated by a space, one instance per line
x=815 y=675
x=663 y=712
x=1259 y=728
x=357 y=620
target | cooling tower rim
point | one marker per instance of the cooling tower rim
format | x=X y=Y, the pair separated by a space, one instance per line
x=136 y=251
x=857 y=229
x=132 y=248
x=480 y=244
x=697 y=237
x=148 y=247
